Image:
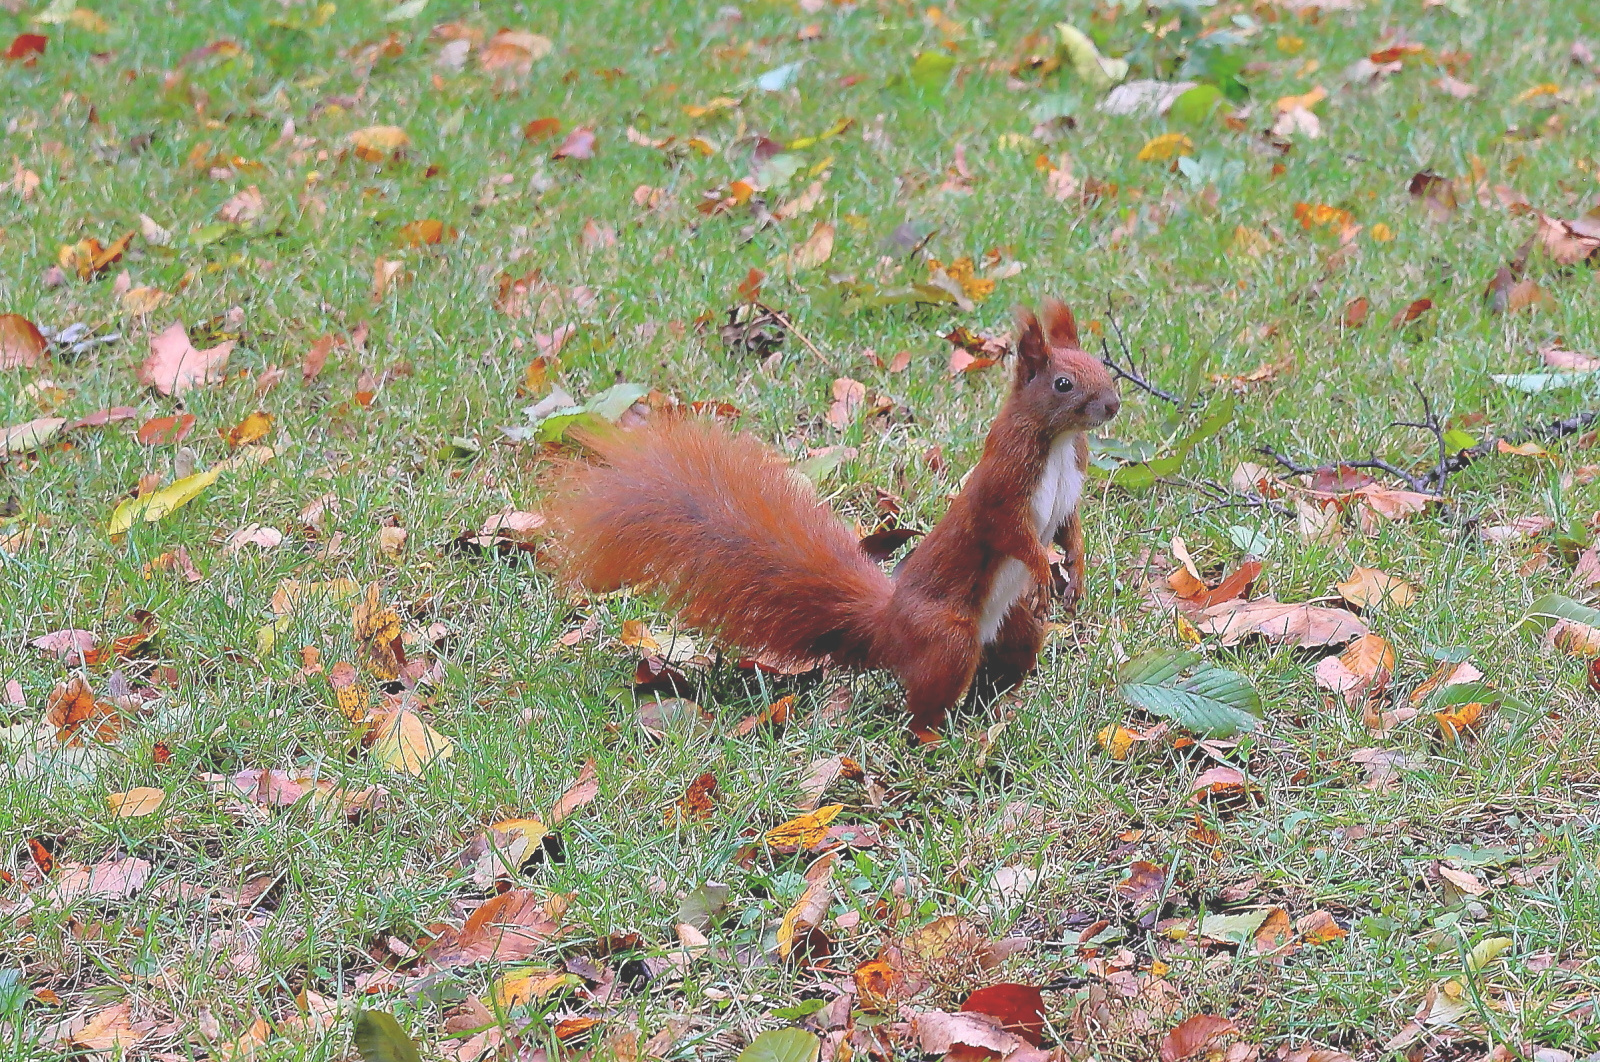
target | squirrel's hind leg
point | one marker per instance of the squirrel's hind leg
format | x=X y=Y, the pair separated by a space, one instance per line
x=1014 y=653
x=936 y=669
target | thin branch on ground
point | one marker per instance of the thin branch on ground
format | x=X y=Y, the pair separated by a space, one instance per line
x=1433 y=481
x=1133 y=374
x=1226 y=498
x=788 y=325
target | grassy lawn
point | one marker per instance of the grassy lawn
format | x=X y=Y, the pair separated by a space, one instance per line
x=1373 y=886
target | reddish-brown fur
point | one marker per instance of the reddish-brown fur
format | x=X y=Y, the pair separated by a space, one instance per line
x=738 y=542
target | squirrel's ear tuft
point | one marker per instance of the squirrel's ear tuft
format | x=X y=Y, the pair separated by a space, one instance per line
x=1033 y=353
x=1058 y=322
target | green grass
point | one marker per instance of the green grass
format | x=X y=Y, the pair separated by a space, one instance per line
x=108 y=121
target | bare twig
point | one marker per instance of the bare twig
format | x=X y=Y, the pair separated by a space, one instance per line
x=1416 y=483
x=789 y=327
x=1132 y=373
x=1224 y=498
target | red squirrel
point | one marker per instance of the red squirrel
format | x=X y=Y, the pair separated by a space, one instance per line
x=738 y=543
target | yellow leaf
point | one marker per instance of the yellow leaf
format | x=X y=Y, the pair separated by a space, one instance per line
x=817 y=248
x=524 y=986
x=154 y=506
x=406 y=744
x=721 y=103
x=88 y=21
x=1116 y=740
x=1459 y=719
x=1188 y=633
x=1303 y=102
x=832 y=131
x=1165 y=147
x=290 y=592
x=377 y=142
x=136 y=803
x=253 y=427
x=1382 y=233
x=806 y=830
x=267 y=637
x=1527 y=449
x=1486 y=951
x=1250 y=241
x=1549 y=88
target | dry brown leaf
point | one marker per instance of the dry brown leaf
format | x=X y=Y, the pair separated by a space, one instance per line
x=511 y=926
x=1371 y=587
x=1304 y=625
x=1195 y=1036
x=514 y=51
x=581 y=793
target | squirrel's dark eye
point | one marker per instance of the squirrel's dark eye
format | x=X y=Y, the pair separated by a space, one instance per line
x=1063 y=385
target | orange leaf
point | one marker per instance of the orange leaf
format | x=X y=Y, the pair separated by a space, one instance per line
x=541 y=129
x=697 y=802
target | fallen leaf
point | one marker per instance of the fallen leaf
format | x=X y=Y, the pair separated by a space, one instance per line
x=75 y=713
x=115 y=878
x=253 y=428
x=822 y=773
x=157 y=504
x=1019 y=1009
x=136 y=803
x=1196 y=1035
x=514 y=51
x=578 y=795
x=1165 y=147
x=541 y=129
x=815 y=249
x=1411 y=313
x=774 y=715
x=579 y=144
x=402 y=742
x=1355 y=312
x=1318 y=927
x=1144 y=882
x=803 y=832
x=22 y=345
x=424 y=233
x=1307 y=626
x=161 y=430
x=1462 y=720
x=377 y=142
x=175 y=366
x=809 y=911
x=67 y=645
x=243 y=206
x=26 y=438
x=1224 y=782
x=964 y=1036
x=1372 y=587
x=698 y=801
x=511 y=926
x=254 y=535
x=1361 y=670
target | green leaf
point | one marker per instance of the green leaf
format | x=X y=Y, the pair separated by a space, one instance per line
x=781 y=1045
x=930 y=70
x=701 y=905
x=1086 y=61
x=1251 y=541
x=1553 y=607
x=1535 y=383
x=379 y=1038
x=1233 y=928
x=1213 y=701
x=616 y=400
x=1196 y=104
x=1456 y=440
x=803 y=1009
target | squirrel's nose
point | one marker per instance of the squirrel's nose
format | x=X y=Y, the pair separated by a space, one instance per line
x=1109 y=407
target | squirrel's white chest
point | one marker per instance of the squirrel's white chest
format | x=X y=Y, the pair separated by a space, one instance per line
x=1060 y=486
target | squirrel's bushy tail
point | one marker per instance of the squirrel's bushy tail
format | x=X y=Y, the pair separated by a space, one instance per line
x=732 y=538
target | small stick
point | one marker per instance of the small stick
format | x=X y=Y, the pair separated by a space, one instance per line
x=788 y=325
